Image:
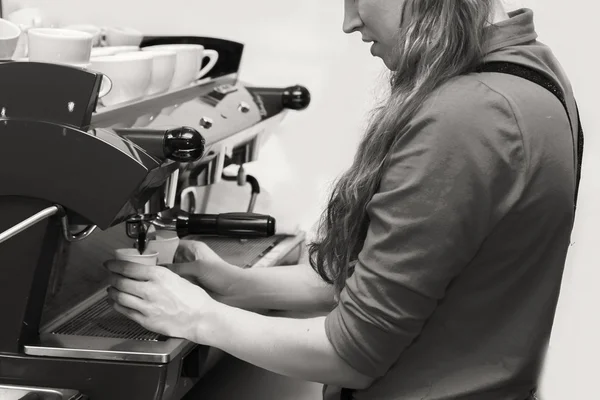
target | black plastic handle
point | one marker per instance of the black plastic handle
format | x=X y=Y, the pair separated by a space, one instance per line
x=275 y=100
x=182 y=144
x=241 y=225
x=295 y=97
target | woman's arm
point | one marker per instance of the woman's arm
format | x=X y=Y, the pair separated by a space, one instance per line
x=163 y=302
x=297 y=348
x=286 y=288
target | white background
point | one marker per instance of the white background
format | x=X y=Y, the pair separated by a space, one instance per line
x=289 y=42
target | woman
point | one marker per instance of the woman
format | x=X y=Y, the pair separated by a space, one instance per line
x=442 y=248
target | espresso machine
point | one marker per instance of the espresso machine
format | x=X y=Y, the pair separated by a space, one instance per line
x=78 y=181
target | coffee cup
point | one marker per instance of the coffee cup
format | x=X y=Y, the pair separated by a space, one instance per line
x=165 y=245
x=25 y=19
x=59 y=46
x=163 y=71
x=9 y=38
x=130 y=73
x=29 y=17
x=149 y=257
x=95 y=31
x=188 y=66
x=106 y=82
x=116 y=36
x=112 y=50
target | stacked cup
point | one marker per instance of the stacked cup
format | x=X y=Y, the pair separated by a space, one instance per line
x=9 y=38
x=63 y=46
x=130 y=74
x=188 y=65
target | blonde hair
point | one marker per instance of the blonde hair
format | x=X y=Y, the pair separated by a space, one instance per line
x=441 y=40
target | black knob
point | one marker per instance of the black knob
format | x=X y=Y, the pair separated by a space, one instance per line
x=240 y=225
x=296 y=97
x=183 y=144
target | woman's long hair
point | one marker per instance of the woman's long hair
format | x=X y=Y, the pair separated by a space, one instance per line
x=440 y=40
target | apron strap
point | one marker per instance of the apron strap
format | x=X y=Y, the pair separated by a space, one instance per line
x=548 y=84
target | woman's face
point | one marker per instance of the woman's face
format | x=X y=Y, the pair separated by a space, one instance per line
x=378 y=21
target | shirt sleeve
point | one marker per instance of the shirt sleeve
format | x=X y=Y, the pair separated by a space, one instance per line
x=455 y=171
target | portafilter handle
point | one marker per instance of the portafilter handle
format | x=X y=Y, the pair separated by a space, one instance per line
x=240 y=225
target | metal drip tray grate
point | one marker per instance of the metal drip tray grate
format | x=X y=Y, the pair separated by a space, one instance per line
x=101 y=320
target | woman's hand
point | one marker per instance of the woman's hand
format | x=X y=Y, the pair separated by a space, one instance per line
x=158 y=299
x=199 y=264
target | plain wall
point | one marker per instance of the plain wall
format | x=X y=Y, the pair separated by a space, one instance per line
x=289 y=42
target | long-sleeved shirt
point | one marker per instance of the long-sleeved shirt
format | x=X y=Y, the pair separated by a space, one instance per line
x=455 y=289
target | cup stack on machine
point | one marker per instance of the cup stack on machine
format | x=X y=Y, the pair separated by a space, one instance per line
x=95 y=160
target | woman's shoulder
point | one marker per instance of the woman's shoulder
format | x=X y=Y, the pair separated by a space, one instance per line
x=465 y=99
x=466 y=109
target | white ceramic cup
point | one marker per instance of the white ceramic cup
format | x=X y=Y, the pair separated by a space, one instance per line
x=9 y=38
x=133 y=255
x=92 y=29
x=189 y=62
x=116 y=36
x=112 y=50
x=106 y=82
x=59 y=46
x=163 y=71
x=165 y=246
x=28 y=17
x=25 y=19
x=130 y=73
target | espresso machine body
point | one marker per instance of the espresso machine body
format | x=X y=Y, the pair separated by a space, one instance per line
x=74 y=183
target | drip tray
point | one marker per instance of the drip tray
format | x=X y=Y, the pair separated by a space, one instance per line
x=101 y=320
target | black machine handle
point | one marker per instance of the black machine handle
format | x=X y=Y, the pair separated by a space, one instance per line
x=182 y=144
x=242 y=225
x=275 y=99
x=295 y=97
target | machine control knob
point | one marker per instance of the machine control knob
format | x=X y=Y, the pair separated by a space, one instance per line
x=296 y=97
x=206 y=122
x=244 y=107
x=183 y=144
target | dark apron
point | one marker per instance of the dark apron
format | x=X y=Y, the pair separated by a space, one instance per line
x=548 y=84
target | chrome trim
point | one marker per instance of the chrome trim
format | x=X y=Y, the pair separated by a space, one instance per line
x=70 y=237
x=10 y=392
x=29 y=222
x=171 y=189
x=165 y=224
x=280 y=251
